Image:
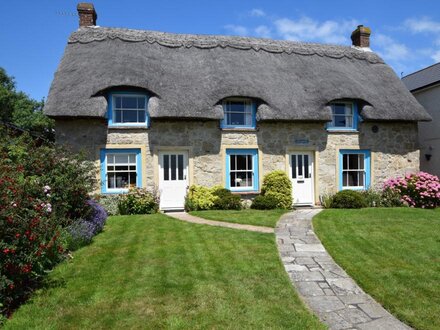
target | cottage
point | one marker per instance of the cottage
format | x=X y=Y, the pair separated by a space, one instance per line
x=170 y=110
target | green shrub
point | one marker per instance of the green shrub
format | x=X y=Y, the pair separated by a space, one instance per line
x=199 y=198
x=266 y=202
x=225 y=200
x=391 y=198
x=138 y=201
x=348 y=199
x=109 y=202
x=326 y=200
x=277 y=185
x=372 y=197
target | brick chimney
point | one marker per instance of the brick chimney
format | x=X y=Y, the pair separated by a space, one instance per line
x=87 y=14
x=361 y=37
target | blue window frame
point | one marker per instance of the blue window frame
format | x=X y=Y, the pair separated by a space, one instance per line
x=242 y=170
x=345 y=116
x=354 y=169
x=239 y=113
x=128 y=109
x=121 y=169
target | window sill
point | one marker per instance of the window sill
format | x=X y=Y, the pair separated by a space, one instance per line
x=112 y=192
x=245 y=192
x=239 y=129
x=339 y=130
x=116 y=127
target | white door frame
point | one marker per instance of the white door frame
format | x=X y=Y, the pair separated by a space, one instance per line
x=311 y=172
x=177 y=188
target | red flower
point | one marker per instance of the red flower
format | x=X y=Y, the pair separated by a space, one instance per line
x=6 y=251
x=17 y=235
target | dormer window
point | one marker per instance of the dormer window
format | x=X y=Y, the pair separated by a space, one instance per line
x=344 y=116
x=239 y=113
x=127 y=109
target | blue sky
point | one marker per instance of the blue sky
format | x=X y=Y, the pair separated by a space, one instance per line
x=33 y=34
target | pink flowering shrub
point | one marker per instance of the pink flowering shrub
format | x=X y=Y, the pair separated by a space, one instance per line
x=416 y=190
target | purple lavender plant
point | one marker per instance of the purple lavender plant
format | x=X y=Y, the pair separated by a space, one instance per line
x=97 y=217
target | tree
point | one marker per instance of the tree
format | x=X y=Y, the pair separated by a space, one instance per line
x=19 y=109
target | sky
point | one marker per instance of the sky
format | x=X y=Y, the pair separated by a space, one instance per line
x=34 y=33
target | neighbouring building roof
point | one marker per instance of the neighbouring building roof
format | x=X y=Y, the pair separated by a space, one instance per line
x=189 y=75
x=423 y=78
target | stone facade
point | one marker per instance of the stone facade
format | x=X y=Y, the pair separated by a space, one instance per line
x=393 y=146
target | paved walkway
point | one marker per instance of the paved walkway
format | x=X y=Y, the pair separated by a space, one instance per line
x=324 y=286
x=190 y=218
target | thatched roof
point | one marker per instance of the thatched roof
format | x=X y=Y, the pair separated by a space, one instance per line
x=189 y=75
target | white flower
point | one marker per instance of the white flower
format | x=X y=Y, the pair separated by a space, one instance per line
x=46 y=189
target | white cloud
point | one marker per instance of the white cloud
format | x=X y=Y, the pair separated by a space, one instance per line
x=307 y=29
x=237 y=29
x=424 y=24
x=391 y=50
x=263 y=31
x=436 y=56
x=257 y=12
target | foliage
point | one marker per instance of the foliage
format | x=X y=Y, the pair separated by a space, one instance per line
x=19 y=109
x=138 y=201
x=326 y=200
x=201 y=198
x=109 y=202
x=416 y=190
x=225 y=200
x=277 y=185
x=348 y=199
x=265 y=202
x=43 y=189
x=373 y=198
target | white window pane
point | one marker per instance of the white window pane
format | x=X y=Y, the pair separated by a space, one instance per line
x=349 y=110
x=110 y=159
x=349 y=121
x=132 y=158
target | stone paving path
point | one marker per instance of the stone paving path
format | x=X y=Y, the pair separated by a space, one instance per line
x=190 y=218
x=324 y=286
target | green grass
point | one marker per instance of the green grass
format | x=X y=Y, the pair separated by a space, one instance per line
x=267 y=218
x=151 y=272
x=393 y=254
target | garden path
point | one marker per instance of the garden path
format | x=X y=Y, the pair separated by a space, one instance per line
x=190 y=218
x=324 y=286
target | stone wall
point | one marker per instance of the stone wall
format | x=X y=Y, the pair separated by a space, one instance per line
x=393 y=147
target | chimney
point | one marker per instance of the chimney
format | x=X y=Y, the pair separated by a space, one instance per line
x=361 y=37
x=87 y=14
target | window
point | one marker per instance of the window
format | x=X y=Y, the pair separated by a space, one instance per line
x=239 y=113
x=242 y=169
x=354 y=169
x=344 y=116
x=127 y=110
x=120 y=170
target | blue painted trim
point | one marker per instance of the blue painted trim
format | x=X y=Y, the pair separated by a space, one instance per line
x=110 y=110
x=254 y=153
x=356 y=120
x=103 y=158
x=254 y=118
x=367 y=166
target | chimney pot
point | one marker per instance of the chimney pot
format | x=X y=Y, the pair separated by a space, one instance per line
x=361 y=37
x=87 y=14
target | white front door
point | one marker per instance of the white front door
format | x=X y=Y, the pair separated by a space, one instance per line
x=173 y=179
x=301 y=175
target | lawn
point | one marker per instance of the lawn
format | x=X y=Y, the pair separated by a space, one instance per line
x=393 y=254
x=267 y=218
x=157 y=272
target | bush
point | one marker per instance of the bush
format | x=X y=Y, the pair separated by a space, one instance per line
x=43 y=190
x=199 y=198
x=109 y=203
x=326 y=200
x=225 y=200
x=277 y=185
x=416 y=190
x=266 y=202
x=138 y=201
x=348 y=199
x=372 y=197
